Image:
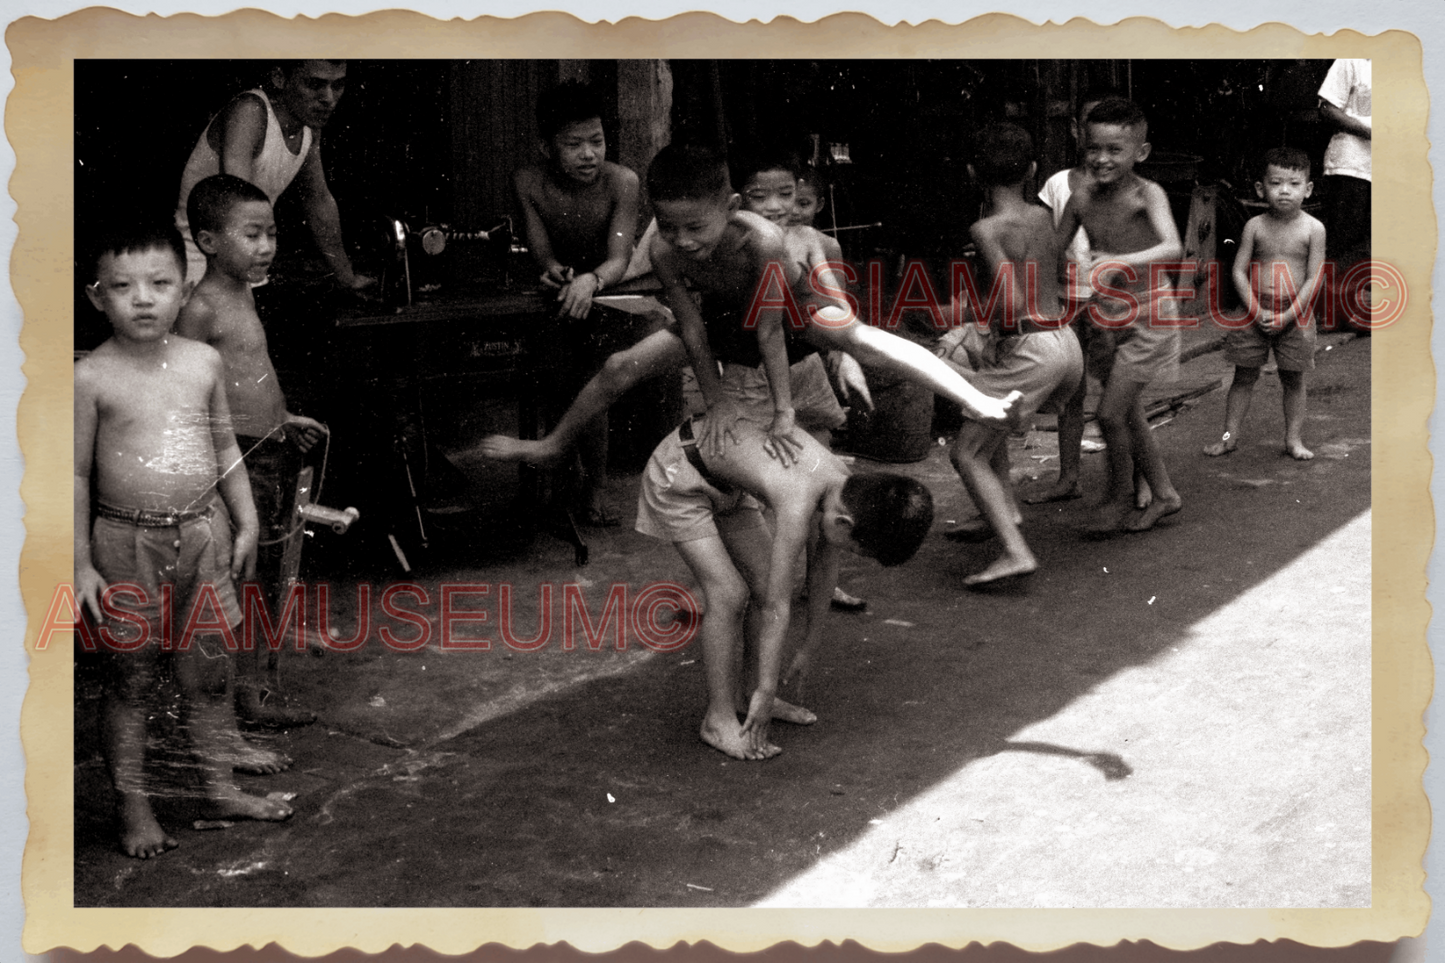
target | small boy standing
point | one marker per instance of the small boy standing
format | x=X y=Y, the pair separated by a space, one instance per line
x=580 y=213
x=1280 y=256
x=1131 y=228
x=234 y=228
x=152 y=425
x=1028 y=349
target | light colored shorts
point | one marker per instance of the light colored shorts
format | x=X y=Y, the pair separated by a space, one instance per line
x=677 y=504
x=1045 y=365
x=1147 y=349
x=1294 y=347
x=187 y=556
x=814 y=403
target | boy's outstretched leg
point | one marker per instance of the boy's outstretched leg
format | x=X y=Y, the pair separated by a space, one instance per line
x=123 y=726
x=1166 y=500
x=1236 y=408
x=1293 y=383
x=976 y=456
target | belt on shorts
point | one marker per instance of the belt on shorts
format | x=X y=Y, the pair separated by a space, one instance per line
x=152 y=517
x=689 y=448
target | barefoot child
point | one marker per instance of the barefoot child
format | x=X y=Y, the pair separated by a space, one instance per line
x=1028 y=348
x=707 y=505
x=1280 y=256
x=580 y=213
x=1130 y=228
x=1096 y=342
x=234 y=228
x=151 y=424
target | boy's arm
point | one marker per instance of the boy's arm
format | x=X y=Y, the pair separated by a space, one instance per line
x=823 y=559
x=622 y=228
x=89 y=585
x=1314 y=261
x=232 y=480
x=772 y=345
x=1161 y=219
x=324 y=217
x=539 y=242
x=722 y=413
x=1243 y=264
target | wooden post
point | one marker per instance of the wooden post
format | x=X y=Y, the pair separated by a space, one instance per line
x=644 y=113
x=1201 y=244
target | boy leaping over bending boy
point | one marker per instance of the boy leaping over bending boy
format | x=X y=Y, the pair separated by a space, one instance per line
x=1028 y=348
x=580 y=213
x=707 y=505
x=1130 y=228
x=234 y=228
x=1284 y=249
x=151 y=422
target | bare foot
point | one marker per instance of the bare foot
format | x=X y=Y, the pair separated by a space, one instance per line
x=261 y=707
x=797 y=715
x=1298 y=451
x=726 y=736
x=1161 y=508
x=1057 y=492
x=140 y=835
x=505 y=448
x=1004 y=567
x=973 y=531
x=229 y=802
x=1225 y=446
x=1107 y=519
x=1143 y=494
x=244 y=756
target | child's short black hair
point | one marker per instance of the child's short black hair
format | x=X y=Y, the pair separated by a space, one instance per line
x=1286 y=158
x=213 y=197
x=891 y=514
x=130 y=235
x=747 y=166
x=809 y=175
x=1002 y=154
x=687 y=172
x=1119 y=112
x=1097 y=95
x=570 y=102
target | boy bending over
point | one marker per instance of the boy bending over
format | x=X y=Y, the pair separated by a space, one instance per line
x=707 y=505
x=1130 y=228
x=1282 y=248
x=1028 y=349
x=151 y=423
x=235 y=230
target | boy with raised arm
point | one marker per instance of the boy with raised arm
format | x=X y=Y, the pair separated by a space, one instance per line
x=1026 y=347
x=1131 y=230
x=152 y=427
x=579 y=211
x=234 y=228
x=707 y=505
x=1280 y=256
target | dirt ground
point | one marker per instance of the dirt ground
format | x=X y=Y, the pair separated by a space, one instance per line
x=1173 y=719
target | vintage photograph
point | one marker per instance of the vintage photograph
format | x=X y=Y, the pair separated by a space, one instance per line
x=723 y=483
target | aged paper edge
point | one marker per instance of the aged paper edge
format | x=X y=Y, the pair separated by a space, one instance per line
x=37 y=124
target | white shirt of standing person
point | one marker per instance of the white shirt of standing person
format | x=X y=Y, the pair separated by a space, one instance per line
x=1347 y=86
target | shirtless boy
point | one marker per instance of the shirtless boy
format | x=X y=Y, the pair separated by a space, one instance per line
x=1130 y=228
x=707 y=505
x=1028 y=348
x=1280 y=256
x=272 y=138
x=580 y=214
x=151 y=423
x=234 y=228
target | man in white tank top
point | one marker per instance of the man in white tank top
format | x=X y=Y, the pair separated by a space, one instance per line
x=273 y=138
